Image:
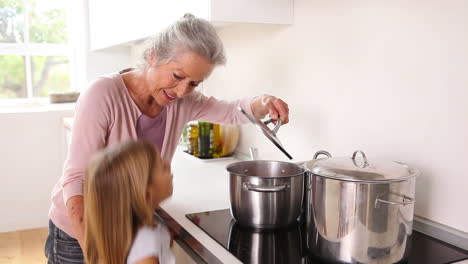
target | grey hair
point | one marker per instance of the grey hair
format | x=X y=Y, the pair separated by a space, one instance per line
x=189 y=33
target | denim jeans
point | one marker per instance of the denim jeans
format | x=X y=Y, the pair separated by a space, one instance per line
x=61 y=248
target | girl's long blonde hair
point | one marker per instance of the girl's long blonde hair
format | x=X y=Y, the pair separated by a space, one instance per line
x=116 y=202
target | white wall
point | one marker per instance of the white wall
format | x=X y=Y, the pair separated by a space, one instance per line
x=31 y=160
x=387 y=77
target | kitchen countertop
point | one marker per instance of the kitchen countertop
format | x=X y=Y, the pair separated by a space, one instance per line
x=199 y=186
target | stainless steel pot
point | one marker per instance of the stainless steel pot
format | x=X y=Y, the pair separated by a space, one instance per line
x=359 y=211
x=266 y=194
x=270 y=246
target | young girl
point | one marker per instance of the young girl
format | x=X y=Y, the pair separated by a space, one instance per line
x=124 y=185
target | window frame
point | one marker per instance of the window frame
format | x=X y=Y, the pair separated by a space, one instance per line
x=29 y=49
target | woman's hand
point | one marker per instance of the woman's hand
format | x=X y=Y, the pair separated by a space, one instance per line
x=268 y=104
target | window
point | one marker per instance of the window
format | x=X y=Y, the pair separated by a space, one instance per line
x=34 y=51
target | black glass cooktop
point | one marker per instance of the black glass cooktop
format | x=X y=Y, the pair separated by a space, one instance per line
x=288 y=245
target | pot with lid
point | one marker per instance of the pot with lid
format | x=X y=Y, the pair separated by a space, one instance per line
x=266 y=194
x=359 y=210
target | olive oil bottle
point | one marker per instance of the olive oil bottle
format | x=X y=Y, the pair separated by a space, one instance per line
x=193 y=147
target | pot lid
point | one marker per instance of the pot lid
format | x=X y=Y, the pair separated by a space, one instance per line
x=359 y=169
x=270 y=134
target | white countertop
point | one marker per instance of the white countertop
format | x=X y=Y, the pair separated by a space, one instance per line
x=33 y=106
x=199 y=186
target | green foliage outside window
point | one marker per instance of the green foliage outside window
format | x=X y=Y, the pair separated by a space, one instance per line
x=12 y=77
x=47 y=25
x=50 y=74
x=11 y=21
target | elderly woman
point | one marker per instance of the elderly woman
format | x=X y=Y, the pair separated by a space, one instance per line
x=153 y=102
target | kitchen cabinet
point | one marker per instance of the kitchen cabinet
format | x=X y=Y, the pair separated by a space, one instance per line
x=113 y=23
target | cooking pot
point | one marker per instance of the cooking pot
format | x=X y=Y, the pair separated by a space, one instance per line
x=266 y=246
x=266 y=194
x=359 y=211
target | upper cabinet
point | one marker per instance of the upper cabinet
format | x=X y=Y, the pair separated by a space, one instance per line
x=113 y=23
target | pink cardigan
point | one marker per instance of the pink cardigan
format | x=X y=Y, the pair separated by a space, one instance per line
x=106 y=114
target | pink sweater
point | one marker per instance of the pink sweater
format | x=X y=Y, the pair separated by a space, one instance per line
x=106 y=114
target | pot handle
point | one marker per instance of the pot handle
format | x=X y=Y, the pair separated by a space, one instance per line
x=322 y=152
x=255 y=188
x=316 y=155
x=406 y=201
x=363 y=157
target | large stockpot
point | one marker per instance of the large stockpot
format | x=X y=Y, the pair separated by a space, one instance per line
x=266 y=194
x=359 y=211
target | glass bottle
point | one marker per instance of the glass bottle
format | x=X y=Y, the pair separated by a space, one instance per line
x=193 y=147
x=217 y=141
x=205 y=139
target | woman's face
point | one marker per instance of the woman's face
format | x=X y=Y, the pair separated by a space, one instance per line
x=177 y=78
x=161 y=185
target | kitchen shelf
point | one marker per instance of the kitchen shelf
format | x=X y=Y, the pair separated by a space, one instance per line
x=191 y=157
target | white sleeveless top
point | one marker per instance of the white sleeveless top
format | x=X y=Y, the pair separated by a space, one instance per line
x=152 y=242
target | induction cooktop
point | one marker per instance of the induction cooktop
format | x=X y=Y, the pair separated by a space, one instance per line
x=289 y=246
